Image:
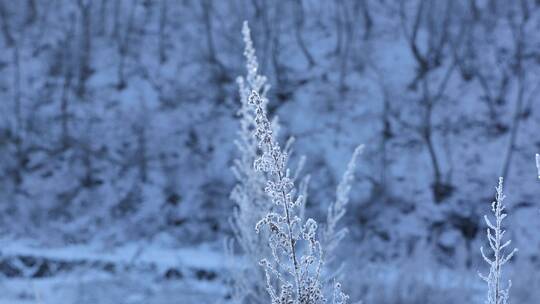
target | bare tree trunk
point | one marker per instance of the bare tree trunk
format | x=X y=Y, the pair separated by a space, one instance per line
x=368 y=21
x=143 y=158
x=4 y=15
x=102 y=25
x=421 y=60
x=268 y=33
x=17 y=174
x=66 y=54
x=441 y=188
x=64 y=110
x=348 y=41
x=162 y=28
x=86 y=46
x=88 y=179
x=339 y=27
x=116 y=19
x=427 y=135
x=31 y=13
x=64 y=106
x=142 y=153
x=475 y=12
x=212 y=56
x=123 y=46
x=493 y=99
x=386 y=133
x=514 y=130
x=493 y=95
x=386 y=136
x=278 y=69
x=207 y=19
x=520 y=74
x=299 y=23
x=427 y=61
x=493 y=7
x=42 y=25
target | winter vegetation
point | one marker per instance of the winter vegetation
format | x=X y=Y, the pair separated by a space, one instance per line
x=297 y=275
x=497 y=294
x=286 y=228
x=136 y=168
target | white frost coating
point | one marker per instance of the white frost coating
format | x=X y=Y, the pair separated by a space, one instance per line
x=497 y=294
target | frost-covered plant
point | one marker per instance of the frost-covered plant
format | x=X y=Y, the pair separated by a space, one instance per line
x=298 y=268
x=251 y=202
x=331 y=235
x=497 y=294
x=298 y=275
x=293 y=261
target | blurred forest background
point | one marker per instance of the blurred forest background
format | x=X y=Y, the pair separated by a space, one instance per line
x=117 y=122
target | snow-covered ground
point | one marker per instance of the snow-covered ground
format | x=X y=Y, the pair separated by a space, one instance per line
x=147 y=273
x=136 y=273
x=89 y=286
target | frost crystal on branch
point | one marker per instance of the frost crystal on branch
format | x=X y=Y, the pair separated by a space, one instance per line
x=497 y=294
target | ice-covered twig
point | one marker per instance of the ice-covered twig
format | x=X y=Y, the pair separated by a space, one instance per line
x=497 y=294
